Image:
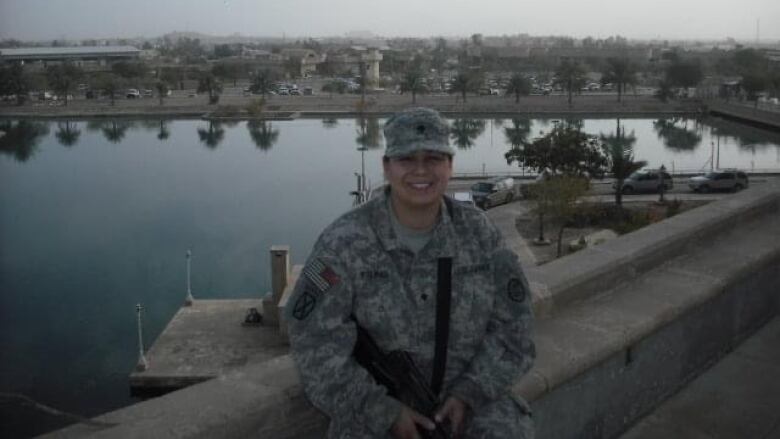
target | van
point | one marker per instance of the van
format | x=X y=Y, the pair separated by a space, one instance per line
x=487 y=194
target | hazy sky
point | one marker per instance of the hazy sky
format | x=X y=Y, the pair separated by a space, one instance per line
x=668 y=19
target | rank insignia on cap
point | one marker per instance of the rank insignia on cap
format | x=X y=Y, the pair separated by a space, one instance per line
x=322 y=276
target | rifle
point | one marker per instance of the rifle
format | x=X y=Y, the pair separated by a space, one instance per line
x=397 y=372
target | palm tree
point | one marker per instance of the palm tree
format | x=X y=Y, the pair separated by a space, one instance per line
x=413 y=82
x=263 y=82
x=62 y=79
x=461 y=83
x=619 y=149
x=518 y=85
x=570 y=75
x=110 y=84
x=67 y=133
x=208 y=84
x=621 y=72
x=162 y=90
x=262 y=133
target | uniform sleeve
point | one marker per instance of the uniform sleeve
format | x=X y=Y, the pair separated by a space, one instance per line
x=507 y=350
x=322 y=337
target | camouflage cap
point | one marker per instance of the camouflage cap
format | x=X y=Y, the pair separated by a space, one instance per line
x=417 y=129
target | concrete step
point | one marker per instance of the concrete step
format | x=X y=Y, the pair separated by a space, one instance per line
x=737 y=398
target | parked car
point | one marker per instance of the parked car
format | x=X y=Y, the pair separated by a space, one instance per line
x=283 y=91
x=132 y=93
x=487 y=194
x=295 y=92
x=721 y=180
x=645 y=181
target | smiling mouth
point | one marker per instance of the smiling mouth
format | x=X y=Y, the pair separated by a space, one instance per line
x=421 y=186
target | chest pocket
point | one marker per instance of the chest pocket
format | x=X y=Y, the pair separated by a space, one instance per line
x=379 y=307
x=472 y=298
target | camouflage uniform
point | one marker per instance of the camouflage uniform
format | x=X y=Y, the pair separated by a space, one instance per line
x=358 y=268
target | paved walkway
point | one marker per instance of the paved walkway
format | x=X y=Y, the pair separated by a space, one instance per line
x=737 y=398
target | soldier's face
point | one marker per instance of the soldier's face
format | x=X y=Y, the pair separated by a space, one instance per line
x=418 y=180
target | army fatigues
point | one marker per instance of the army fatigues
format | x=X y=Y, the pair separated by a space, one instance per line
x=358 y=268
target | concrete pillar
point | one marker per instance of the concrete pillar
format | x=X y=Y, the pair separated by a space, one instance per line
x=280 y=273
x=280 y=270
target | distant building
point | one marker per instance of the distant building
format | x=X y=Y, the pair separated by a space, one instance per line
x=82 y=56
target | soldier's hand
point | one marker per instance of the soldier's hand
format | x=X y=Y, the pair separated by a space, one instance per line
x=405 y=425
x=453 y=410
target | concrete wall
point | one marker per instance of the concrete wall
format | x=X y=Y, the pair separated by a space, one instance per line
x=603 y=402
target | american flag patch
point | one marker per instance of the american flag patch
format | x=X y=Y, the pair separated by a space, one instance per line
x=321 y=275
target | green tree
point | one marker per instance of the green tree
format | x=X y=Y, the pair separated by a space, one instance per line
x=664 y=92
x=130 y=70
x=564 y=150
x=621 y=72
x=63 y=78
x=571 y=76
x=464 y=131
x=13 y=82
x=684 y=74
x=111 y=85
x=558 y=196
x=173 y=75
x=213 y=135
x=262 y=133
x=227 y=71
x=753 y=83
x=462 y=83
x=619 y=149
x=263 y=82
x=67 y=133
x=209 y=84
x=335 y=86
x=162 y=90
x=413 y=82
x=518 y=85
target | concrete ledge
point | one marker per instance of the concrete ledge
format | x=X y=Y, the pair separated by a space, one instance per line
x=261 y=400
x=597 y=269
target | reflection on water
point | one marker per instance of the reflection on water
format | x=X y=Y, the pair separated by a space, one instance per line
x=262 y=133
x=213 y=135
x=67 y=133
x=330 y=122
x=20 y=139
x=369 y=132
x=113 y=130
x=517 y=134
x=676 y=135
x=464 y=131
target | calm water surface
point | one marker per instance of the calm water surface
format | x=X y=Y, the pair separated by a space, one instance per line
x=97 y=216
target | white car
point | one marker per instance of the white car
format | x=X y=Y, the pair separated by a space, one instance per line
x=132 y=93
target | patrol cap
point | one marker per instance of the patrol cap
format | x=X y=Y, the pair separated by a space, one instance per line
x=417 y=129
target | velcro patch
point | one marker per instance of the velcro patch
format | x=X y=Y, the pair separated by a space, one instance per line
x=322 y=276
x=516 y=290
x=305 y=304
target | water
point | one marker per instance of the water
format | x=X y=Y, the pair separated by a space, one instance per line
x=97 y=216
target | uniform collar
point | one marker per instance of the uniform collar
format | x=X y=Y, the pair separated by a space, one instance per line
x=441 y=242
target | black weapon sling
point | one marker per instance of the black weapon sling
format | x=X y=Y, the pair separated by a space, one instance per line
x=443 y=296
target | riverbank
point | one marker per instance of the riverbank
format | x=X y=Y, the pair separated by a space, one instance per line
x=235 y=106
